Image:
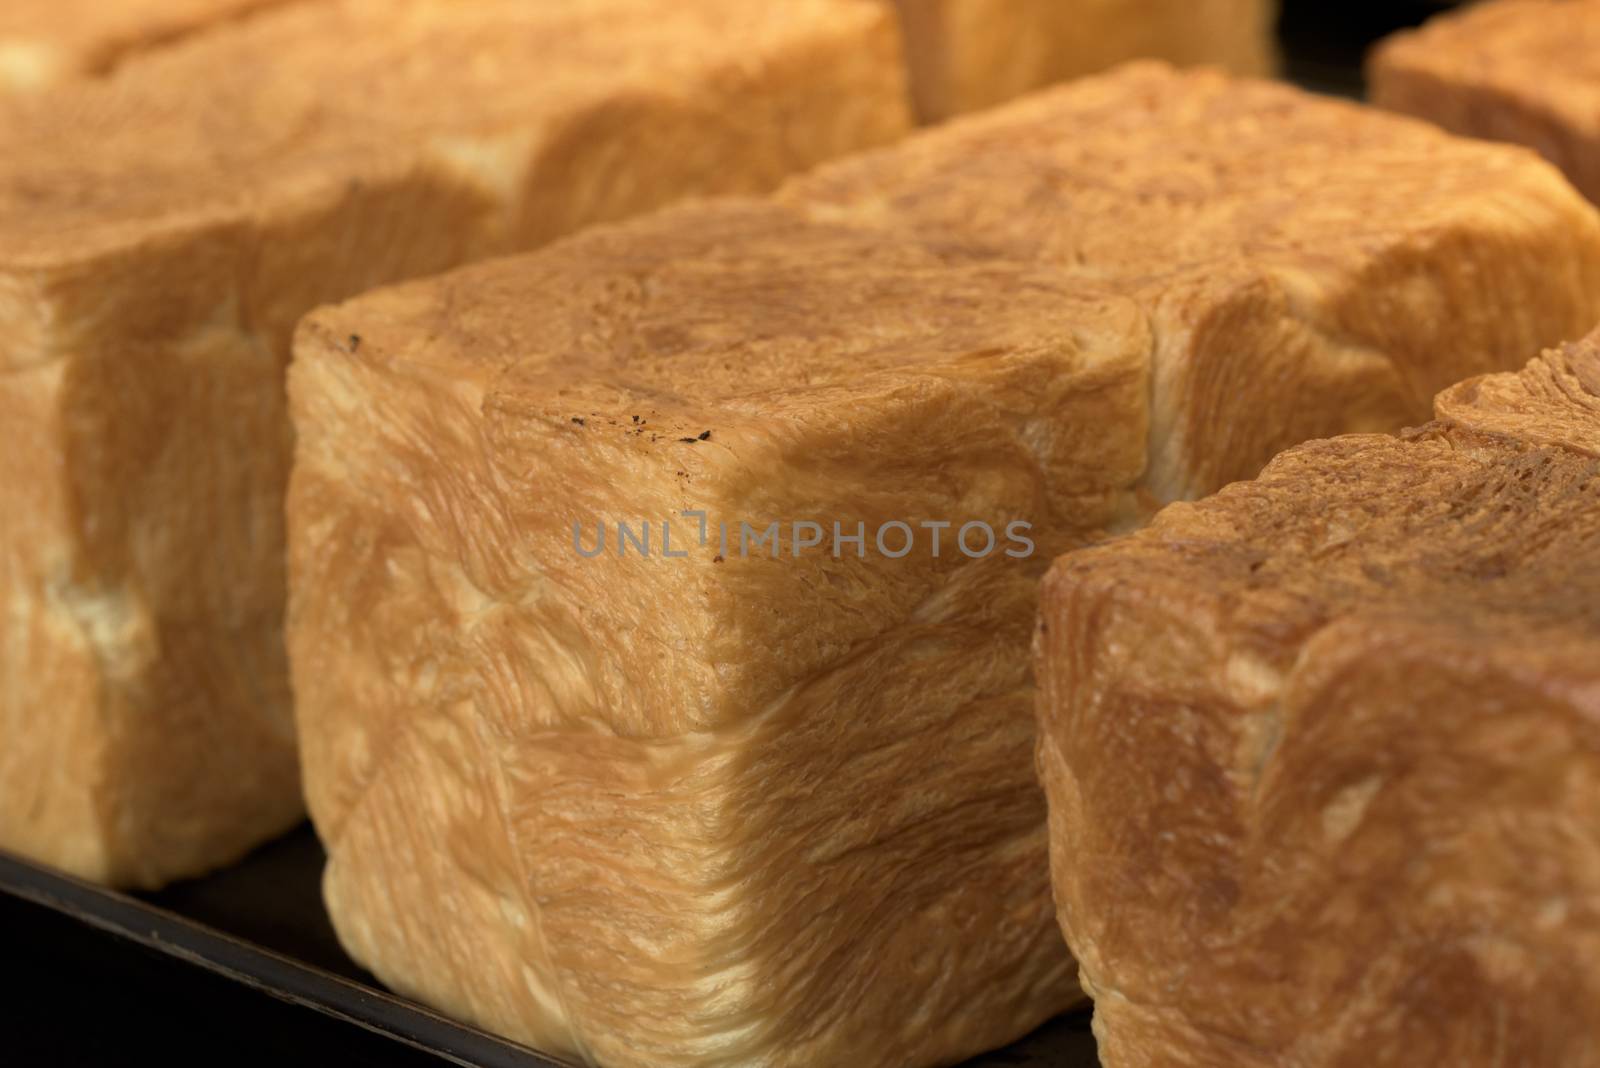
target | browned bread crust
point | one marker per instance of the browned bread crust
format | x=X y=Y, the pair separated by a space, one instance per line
x=817 y=768
x=1312 y=267
x=721 y=808
x=972 y=54
x=45 y=42
x=1323 y=751
x=158 y=241
x=1525 y=71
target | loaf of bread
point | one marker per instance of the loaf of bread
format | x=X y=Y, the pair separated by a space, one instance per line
x=971 y=54
x=772 y=801
x=1506 y=70
x=765 y=803
x=160 y=234
x=1323 y=751
x=44 y=42
x=1312 y=267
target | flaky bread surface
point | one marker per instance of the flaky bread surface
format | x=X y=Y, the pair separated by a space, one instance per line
x=752 y=804
x=1323 y=751
x=1312 y=267
x=157 y=245
x=505 y=736
x=1524 y=71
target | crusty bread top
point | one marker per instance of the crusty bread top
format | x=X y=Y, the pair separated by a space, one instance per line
x=1482 y=527
x=1148 y=173
x=1312 y=267
x=1555 y=400
x=44 y=41
x=1541 y=51
x=1323 y=750
x=728 y=305
x=734 y=357
x=318 y=96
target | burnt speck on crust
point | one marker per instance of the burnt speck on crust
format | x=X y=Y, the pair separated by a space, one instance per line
x=705 y=435
x=578 y=419
x=688 y=441
x=355 y=344
x=717 y=559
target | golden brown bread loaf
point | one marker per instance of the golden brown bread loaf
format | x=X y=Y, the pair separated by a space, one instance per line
x=1526 y=71
x=730 y=809
x=963 y=54
x=1312 y=267
x=157 y=245
x=1323 y=751
x=972 y=54
x=727 y=808
x=43 y=42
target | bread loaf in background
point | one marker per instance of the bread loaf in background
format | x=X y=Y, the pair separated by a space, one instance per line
x=729 y=808
x=1323 y=751
x=162 y=230
x=46 y=42
x=1312 y=267
x=972 y=54
x=963 y=54
x=1507 y=70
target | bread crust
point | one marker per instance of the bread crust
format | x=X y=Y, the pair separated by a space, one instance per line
x=725 y=808
x=157 y=246
x=1321 y=750
x=971 y=54
x=46 y=42
x=1291 y=299
x=559 y=793
x=1522 y=71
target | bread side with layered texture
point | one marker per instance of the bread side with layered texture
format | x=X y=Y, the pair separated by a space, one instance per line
x=1323 y=751
x=1523 y=71
x=747 y=792
x=157 y=245
x=1292 y=299
x=511 y=737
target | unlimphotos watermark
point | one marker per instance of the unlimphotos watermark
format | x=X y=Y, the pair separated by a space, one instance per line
x=894 y=539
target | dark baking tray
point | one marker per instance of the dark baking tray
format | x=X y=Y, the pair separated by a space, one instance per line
x=243 y=968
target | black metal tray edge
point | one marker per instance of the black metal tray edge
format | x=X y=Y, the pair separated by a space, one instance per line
x=274 y=974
